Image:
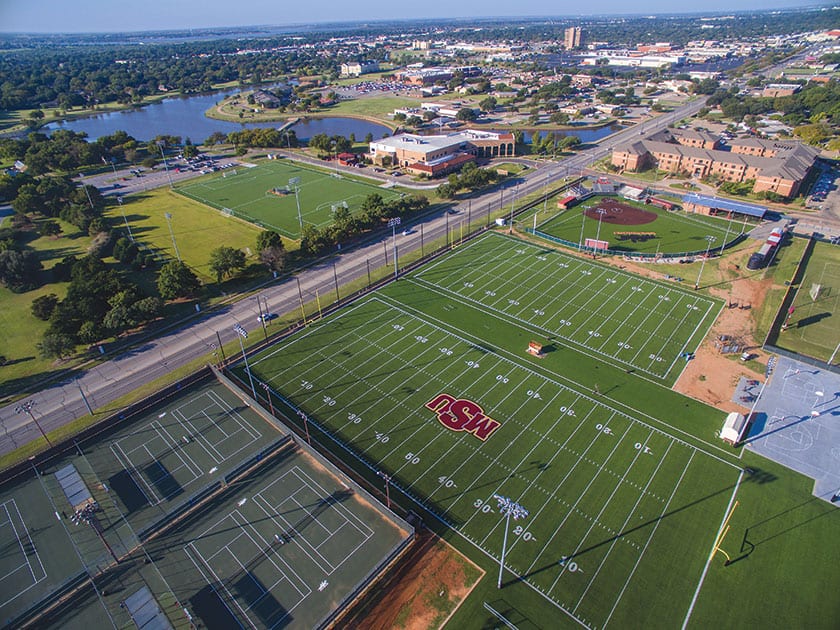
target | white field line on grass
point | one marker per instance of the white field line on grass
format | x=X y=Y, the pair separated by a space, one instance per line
x=647 y=542
x=556 y=378
x=712 y=552
x=623 y=526
x=606 y=503
x=585 y=268
x=572 y=507
x=694 y=332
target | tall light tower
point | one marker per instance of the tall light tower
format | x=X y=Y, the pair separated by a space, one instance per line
x=243 y=334
x=709 y=239
x=393 y=223
x=26 y=407
x=125 y=219
x=168 y=216
x=293 y=182
x=387 y=478
x=165 y=165
x=508 y=508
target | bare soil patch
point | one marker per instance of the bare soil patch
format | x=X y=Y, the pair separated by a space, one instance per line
x=424 y=590
x=615 y=212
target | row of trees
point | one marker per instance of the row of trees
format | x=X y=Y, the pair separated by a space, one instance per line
x=372 y=212
x=470 y=178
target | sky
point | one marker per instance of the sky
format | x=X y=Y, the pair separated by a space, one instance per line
x=87 y=16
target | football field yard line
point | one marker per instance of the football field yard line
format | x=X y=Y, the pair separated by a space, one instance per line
x=713 y=551
x=566 y=382
x=601 y=512
x=573 y=468
x=573 y=507
x=676 y=329
x=650 y=537
x=561 y=331
x=624 y=525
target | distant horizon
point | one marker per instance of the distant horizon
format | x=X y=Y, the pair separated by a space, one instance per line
x=49 y=17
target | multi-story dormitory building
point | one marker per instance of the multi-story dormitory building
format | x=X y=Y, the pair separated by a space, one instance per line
x=776 y=166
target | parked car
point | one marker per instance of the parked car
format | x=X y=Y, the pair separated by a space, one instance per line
x=267 y=317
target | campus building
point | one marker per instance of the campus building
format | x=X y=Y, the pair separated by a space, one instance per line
x=357 y=68
x=775 y=166
x=440 y=154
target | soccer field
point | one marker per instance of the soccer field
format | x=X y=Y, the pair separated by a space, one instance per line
x=812 y=328
x=428 y=393
x=246 y=193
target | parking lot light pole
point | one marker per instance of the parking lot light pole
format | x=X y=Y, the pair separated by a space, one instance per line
x=26 y=407
x=508 y=508
x=393 y=223
x=262 y=317
x=165 y=165
x=243 y=334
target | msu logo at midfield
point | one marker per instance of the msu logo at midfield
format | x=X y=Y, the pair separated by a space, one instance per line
x=457 y=414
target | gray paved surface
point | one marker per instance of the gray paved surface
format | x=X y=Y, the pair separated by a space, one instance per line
x=798 y=423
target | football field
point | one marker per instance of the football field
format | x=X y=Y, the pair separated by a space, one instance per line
x=623 y=509
x=643 y=325
x=263 y=194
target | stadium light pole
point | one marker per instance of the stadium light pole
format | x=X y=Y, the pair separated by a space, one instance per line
x=26 y=407
x=168 y=216
x=582 y=223
x=262 y=317
x=601 y=212
x=125 y=219
x=508 y=508
x=268 y=396
x=305 y=419
x=243 y=334
x=165 y=165
x=393 y=223
x=294 y=181
x=387 y=479
x=709 y=239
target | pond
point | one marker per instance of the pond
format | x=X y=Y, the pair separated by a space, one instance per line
x=185 y=117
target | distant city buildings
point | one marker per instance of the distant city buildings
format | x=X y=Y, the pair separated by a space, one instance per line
x=358 y=68
x=573 y=37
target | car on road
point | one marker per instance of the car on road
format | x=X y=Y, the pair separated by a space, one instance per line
x=267 y=317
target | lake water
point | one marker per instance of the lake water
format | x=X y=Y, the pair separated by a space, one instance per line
x=185 y=117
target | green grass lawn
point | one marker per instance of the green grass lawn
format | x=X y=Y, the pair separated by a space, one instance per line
x=584 y=438
x=625 y=482
x=676 y=232
x=813 y=328
x=246 y=192
x=197 y=228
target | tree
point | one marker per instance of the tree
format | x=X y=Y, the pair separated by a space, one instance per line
x=271 y=251
x=466 y=114
x=488 y=104
x=177 y=280
x=44 y=305
x=55 y=345
x=225 y=261
x=49 y=228
x=19 y=269
x=559 y=118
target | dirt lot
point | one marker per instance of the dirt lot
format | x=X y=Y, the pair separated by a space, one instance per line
x=427 y=587
x=710 y=376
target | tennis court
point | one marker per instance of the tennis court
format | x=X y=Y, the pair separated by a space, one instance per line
x=270 y=193
x=197 y=509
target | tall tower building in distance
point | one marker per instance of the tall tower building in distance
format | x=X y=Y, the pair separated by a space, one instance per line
x=573 y=37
